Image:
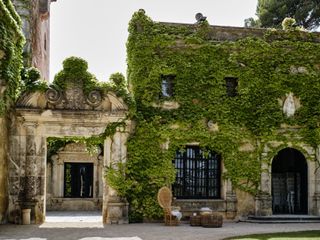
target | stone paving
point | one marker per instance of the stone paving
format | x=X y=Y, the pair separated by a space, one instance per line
x=85 y=227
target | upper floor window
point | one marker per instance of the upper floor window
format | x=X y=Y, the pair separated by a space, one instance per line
x=231 y=86
x=198 y=174
x=167 y=86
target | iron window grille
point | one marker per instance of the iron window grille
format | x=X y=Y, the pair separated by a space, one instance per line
x=198 y=174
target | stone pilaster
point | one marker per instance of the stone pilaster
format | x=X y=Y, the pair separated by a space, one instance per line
x=263 y=204
x=316 y=196
x=316 y=204
x=263 y=200
x=115 y=208
x=231 y=201
x=34 y=179
x=100 y=175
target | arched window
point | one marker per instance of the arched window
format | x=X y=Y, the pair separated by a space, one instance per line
x=198 y=174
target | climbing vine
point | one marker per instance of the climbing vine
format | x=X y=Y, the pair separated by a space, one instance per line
x=11 y=62
x=267 y=67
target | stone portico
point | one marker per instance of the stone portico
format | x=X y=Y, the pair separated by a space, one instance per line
x=67 y=113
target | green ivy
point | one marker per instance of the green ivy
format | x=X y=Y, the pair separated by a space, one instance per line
x=266 y=70
x=11 y=46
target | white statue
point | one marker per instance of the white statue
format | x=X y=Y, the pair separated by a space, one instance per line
x=289 y=107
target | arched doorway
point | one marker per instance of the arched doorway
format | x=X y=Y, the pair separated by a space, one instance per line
x=289 y=182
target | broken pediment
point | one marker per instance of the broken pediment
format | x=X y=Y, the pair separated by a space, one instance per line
x=71 y=99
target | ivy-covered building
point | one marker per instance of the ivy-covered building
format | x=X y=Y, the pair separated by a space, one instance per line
x=227 y=117
x=234 y=110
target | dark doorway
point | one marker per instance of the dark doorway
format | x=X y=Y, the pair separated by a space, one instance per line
x=78 y=180
x=289 y=182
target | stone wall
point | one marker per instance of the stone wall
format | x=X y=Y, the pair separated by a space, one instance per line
x=246 y=204
x=227 y=33
x=3 y=170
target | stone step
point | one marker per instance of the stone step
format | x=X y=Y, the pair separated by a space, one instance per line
x=284 y=219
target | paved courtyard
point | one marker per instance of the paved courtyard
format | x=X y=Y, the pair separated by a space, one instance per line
x=85 y=227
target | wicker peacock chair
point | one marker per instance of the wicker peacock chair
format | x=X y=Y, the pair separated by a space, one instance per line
x=165 y=200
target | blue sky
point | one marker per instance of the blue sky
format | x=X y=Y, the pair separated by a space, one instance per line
x=96 y=30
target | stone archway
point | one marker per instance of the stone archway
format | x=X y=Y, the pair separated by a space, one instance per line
x=289 y=182
x=55 y=113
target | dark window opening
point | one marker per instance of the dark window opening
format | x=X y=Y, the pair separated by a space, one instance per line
x=198 y=174
x=231 y=85
x=45 y=42
x=167 y=86
x=78 y=180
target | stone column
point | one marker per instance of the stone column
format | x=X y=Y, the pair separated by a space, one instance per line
x=115 y=208
x=263 y=200
x=35 y=174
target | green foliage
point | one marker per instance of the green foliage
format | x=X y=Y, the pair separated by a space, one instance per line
x=31 y=80
x=251 y=22
x=148 y=169
x=11 y=45
x=304 y=235
x=288 y=23
x=74 y=73
x=118 y=85
x=118 y=79
x=272 y=12
x=266 y=72
x=55 y=144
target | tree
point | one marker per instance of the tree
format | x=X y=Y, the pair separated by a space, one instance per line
x=272 y=12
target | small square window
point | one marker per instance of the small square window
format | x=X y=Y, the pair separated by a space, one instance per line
x=231 y=86
x=167 y=86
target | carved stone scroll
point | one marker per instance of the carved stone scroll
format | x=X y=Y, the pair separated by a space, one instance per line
x=94 y=98
x=53 y=96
